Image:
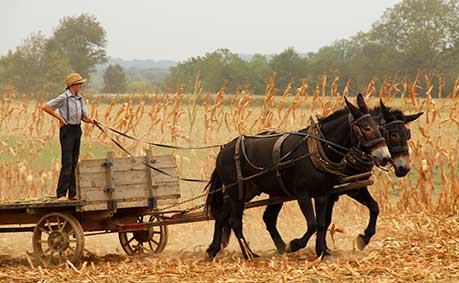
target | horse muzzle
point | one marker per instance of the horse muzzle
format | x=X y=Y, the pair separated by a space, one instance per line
x=401 y=166
x=381 y=155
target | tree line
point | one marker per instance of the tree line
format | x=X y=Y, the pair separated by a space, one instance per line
x=415 y=37
x=40 y=65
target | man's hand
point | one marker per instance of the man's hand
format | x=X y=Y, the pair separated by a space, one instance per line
x=62 y=122
x=88 y=120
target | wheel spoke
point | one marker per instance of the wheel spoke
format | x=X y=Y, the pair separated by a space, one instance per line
x=156 y=242
x=130 y=240
x=138 y=249
x=62 y=226
x=48 y=224
x=44 y=230
x=70 y=249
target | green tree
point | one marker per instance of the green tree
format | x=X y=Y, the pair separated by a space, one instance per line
x=215 y=69
x=424 y=32
x=55 y=66
x=259 y=71
x=83 y=42
x=36 y=67
x=115 y=79
x=289 y=67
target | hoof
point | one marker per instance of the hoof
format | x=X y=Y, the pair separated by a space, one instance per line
x=323 y=253
x=209 y=255
x=282 y=250
x=250 y=256
x=294 y=246
x=360 y=242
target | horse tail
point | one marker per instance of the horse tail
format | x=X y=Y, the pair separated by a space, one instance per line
x=214 y=200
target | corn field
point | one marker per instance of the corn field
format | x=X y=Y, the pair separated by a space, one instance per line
x=29 y=135
x=419 y=213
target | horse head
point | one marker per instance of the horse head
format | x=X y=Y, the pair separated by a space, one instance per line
x=365 y=132
x=397 y=135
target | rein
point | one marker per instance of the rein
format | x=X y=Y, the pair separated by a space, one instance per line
x=146 y=164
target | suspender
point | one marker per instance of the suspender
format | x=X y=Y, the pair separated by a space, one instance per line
x=68 y=110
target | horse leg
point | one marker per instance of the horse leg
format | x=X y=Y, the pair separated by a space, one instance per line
x=237 y=208
x=328 y=215
x=220 y=221
x=363 y=196
x=270 y=218
x=321 y=212
x=226 y=233
x=305 y=203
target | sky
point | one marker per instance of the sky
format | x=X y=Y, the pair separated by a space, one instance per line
x=177 y=30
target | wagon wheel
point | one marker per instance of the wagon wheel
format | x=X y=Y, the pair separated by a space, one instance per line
x=145 y=242
x=58 y=237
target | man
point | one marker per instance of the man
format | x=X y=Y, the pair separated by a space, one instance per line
x=72 y=111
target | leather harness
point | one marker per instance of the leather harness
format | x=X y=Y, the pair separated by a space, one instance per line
x=354 y=158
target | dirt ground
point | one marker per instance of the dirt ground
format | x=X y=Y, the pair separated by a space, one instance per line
x=407 y=247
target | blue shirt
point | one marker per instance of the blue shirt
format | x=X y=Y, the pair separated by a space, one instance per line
x=71 y=107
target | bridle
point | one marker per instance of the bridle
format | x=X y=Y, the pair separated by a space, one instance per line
x=360 y=134
x=384 y=128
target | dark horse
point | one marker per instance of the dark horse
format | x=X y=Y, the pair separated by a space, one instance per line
x=229 y=189
x=392 y=126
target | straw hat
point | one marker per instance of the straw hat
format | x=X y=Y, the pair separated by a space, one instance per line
x=73 y=79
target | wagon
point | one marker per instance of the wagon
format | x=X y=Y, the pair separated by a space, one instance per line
x=115 y=195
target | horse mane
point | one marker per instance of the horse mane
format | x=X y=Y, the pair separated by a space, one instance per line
x=337 y=114
x=376 y=111
x=397 y=113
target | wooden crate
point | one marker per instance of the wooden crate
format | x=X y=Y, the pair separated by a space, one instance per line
x=114 y=183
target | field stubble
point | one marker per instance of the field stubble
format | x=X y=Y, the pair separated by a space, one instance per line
x=417 y=236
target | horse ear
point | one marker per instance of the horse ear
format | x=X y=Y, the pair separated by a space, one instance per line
x=385 y=110
x=411 y=118
x=354 y=110
x=361 y=103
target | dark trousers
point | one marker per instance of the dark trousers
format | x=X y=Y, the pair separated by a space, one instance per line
x=69 y=137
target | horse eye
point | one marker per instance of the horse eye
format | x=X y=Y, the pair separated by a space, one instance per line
x=367 y=129
x=394 y=135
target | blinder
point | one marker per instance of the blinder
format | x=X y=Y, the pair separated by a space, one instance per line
x=386 y=133
x=362 y=138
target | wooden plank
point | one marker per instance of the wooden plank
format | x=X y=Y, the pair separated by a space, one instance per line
x=126 y=164
x=101 y=205
x=50 y=204
x=126 y=178
x=358 y=176
x=351 y=186
x=129 y=191
x=168 y=186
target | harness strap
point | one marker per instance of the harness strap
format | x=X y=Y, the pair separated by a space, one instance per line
x=237 y=160
x=244 y=153
x=384 y=127
x=319 y=158
x=276 y=155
